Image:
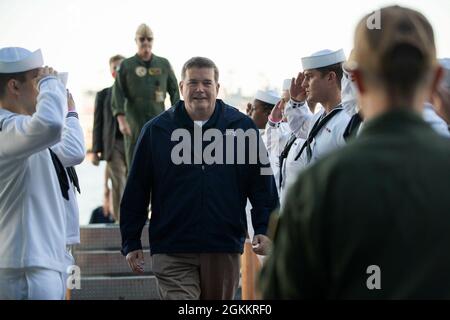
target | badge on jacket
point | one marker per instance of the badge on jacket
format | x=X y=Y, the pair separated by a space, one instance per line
x=154 y=71
x=140 y=71
x=159 y=95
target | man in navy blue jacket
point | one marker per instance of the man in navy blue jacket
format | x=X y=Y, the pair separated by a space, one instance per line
x=198 y=162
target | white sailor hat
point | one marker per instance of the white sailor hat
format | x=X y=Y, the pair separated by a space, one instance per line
x=445 y=63
x=270 y=97
x=286 y=84
x=14 y=60
x=323 y=58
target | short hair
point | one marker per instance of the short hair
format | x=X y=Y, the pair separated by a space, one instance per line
x=144 y=30
x=115 y=58
x=404 y=68
x=200 y=62
x=5 y=77
x=336 y=68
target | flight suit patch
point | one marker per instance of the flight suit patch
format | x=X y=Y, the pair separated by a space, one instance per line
x=154 y=71
x=140 y=71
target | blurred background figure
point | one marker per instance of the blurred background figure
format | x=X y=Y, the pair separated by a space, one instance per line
x=262 y=106
x=103 y=213
x=441 y=98
x=140 y=89
x=108 y=144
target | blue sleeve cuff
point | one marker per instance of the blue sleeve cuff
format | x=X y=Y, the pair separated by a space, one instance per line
x=261 y=229
x=273 y=124
x=297 y=104
x=72 y=114
x=130 y=245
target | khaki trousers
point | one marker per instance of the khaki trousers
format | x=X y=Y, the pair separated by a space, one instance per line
x=205 y=276
x=117 y=171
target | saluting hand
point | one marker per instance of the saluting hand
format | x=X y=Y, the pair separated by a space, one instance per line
x=70 y=102
x=277 y=112
x=136 y=261
x=249 y=109
x=45 y=72
x=297 y=91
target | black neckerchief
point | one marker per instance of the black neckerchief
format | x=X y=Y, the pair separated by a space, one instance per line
x=315 y=130
x=62 y=176
x=73 y=177
x=285 y=153
x=352 y=127
x=61 y=173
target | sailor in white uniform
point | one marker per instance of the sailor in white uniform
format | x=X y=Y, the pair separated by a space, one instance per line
x=277 y=133
x=71 y=152
x=282 y=142
x=33 y=106
x=321 y=132
x=263 y=103
x=350 y=104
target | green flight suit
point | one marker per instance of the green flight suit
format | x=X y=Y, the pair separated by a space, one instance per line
x=381 y=201
x=139 y=93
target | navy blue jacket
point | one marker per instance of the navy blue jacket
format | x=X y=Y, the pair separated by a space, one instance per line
x=196 y=208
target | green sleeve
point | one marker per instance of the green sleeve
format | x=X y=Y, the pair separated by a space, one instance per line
x=172 y=86
x=118 y=93
x=295 y=268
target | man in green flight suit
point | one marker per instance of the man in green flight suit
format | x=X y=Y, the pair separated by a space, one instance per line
x=371 y=221
x=140 y=89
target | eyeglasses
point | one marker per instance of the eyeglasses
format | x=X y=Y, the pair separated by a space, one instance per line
x=142 y=39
